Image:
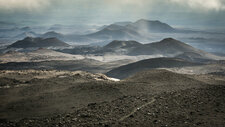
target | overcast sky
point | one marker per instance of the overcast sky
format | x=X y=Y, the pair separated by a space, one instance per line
x=196 y=13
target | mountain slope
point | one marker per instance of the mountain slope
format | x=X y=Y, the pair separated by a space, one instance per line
x=167 y=47
x=150 y=26
x=115 y=32
x=199 y=57
x=30 y=42
x=52 y=34
x=130 y=69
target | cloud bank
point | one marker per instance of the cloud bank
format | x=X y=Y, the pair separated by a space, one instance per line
x=108 y=11
x=40 y=4
x=27 y=5
x=203 y=4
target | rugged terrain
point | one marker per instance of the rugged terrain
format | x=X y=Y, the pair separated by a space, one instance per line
x=165 y=83
x=150 y=98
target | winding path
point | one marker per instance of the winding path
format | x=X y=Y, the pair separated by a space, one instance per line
x=136 y=109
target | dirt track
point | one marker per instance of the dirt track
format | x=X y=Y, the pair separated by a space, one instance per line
x=136 y=109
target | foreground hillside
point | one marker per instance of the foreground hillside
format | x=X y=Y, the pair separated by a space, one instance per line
x=132 y=68
x=150 y=98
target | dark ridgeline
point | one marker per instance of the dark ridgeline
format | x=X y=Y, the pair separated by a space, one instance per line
x=30 y=42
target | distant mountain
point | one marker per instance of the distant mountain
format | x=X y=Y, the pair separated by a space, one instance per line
x=116 y=23
x=115 y=32
x=131 y=31
x=166 y=47
x=52 y=34
x=139 y=31
x=67 y=37
x=143 y=25
x=131 y=69
x=30 y=42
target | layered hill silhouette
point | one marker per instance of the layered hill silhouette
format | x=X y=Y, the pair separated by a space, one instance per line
x=126 y=31
x=167 y=47
x=142 y=25
x=178 y=54
x=117 y=31
x=114 y=32
x=30 y=42
x=52 y=34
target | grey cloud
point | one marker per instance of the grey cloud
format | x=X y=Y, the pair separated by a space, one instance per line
x=174 y=12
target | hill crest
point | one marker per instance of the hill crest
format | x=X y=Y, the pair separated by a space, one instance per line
x=30 y=42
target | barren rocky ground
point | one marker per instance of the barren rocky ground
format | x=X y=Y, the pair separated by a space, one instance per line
x=150 y=98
